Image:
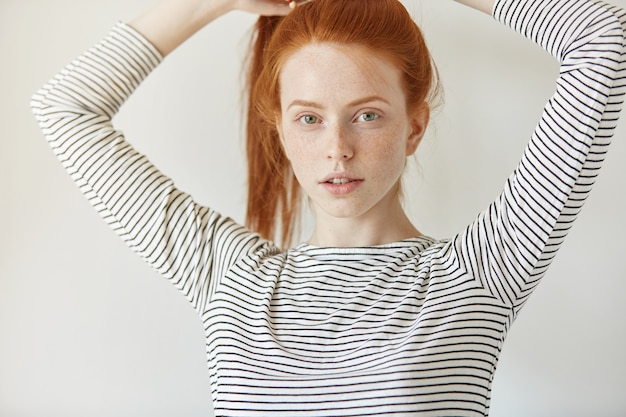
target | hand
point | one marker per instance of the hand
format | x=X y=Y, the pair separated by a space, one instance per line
x=171 y=22
x=263 y=7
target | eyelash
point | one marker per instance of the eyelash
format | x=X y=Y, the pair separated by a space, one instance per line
x=303 y=117
x=369 y=113
x=317 y=119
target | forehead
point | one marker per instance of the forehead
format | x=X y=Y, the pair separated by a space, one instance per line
x=335 y=70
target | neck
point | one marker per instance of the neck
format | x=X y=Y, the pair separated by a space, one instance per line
x=363 y=231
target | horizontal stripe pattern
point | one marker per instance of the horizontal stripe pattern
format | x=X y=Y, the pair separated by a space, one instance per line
x=409 y=328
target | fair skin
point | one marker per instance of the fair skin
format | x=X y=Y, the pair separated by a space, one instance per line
x=344 y=124
x=347 y=132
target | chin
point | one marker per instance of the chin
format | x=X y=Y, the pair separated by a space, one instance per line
x=346 y=212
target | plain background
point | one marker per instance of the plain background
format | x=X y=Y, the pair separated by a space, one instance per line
x=87 y=329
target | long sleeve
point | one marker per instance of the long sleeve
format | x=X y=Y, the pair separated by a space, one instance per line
x=189 y=244
x=510 y=245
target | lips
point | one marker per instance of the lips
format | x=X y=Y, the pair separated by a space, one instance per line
x=341 y=183
x=340 y=178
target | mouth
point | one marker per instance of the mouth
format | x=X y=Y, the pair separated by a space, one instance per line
x=339 y=181
x=341 y=184
x=340 y=178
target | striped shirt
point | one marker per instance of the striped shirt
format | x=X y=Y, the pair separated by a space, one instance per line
x=409 y=328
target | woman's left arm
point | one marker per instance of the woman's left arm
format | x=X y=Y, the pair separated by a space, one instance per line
x=510 y=245
x=485 y=6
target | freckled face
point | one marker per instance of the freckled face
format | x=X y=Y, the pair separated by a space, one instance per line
x=345 y=128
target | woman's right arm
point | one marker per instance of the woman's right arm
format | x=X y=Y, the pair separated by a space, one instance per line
x=187 y=243
x=170 y=22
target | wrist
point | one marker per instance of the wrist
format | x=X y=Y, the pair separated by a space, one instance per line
x=171 y=22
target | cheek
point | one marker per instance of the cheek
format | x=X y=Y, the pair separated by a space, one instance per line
x=286 y=143
x=300 y=157
x=297 y=146
x=392 y=147
x=301 y=163
x=390 y=160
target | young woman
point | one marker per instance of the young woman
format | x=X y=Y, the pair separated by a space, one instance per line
x=368 y=316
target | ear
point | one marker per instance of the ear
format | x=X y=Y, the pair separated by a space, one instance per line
x=419 y=123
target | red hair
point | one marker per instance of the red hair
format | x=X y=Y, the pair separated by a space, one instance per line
x=384 y=26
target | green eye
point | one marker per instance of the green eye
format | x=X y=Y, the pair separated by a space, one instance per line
x=309 y=119
x=368 y=117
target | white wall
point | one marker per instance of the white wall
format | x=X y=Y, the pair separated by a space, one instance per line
x=87 y=329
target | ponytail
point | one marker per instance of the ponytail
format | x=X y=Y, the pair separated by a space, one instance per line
x=273 y=192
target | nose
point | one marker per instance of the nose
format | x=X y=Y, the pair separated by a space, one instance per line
x=340 y=144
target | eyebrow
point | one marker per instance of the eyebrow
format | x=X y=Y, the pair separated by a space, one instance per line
x=357 y=102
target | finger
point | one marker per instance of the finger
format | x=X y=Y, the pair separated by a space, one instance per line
x=277 y=7
x=265 y=7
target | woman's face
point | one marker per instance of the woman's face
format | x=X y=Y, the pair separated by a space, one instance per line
x=345 y=128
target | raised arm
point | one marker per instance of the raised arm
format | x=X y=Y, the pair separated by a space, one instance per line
x=485 y=6
x=179 y=238
x=510 y=245
x=170 y=22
